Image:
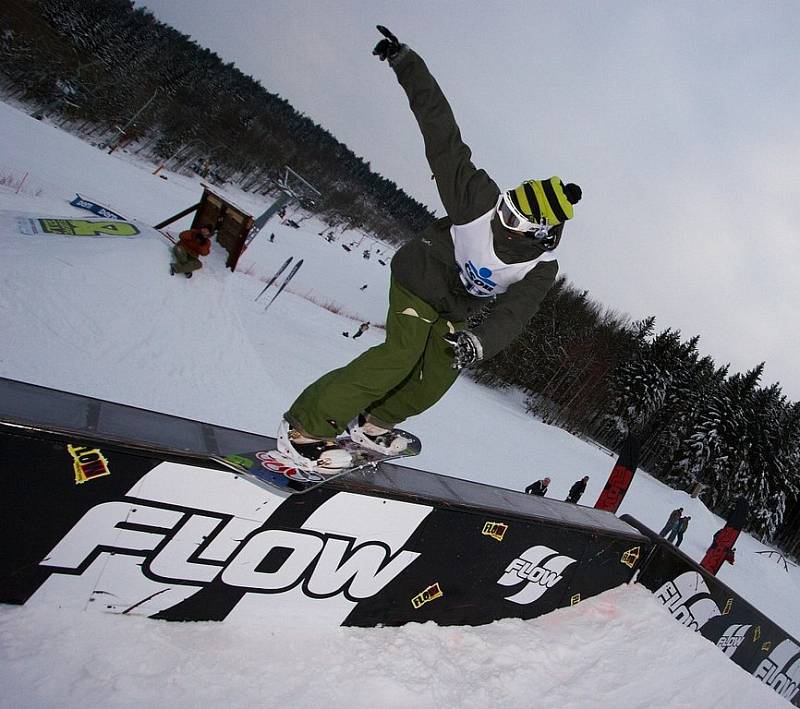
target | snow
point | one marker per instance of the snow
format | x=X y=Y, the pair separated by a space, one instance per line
x=620 y=649
x=103 y=317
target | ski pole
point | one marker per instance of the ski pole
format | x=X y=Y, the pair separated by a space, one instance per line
x=274 y=278
x=283 y=285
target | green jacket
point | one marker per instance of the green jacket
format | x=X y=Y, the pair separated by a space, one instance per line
x=426 y=265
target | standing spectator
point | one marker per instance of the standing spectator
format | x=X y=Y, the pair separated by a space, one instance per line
x=678 y=530
x=672 y=520
x=271 y=238
x=577 y=489
x=539 y=488
x=362 y=328
x=193 y=244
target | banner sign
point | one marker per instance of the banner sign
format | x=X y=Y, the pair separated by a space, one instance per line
x=99 y=210
x=101 y=525
x=91 y=226
x=619 y=481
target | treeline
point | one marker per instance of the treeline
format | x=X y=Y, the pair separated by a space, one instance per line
x=96 y=67
x=600 y=376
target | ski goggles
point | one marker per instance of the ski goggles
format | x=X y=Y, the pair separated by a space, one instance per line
x=510 y=218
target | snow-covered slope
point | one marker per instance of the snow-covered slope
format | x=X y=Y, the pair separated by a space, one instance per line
x=104 y=318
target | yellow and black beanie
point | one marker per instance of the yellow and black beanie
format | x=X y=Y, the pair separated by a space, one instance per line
x=551 y=199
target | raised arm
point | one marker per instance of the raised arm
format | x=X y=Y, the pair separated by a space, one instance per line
x=466 y=192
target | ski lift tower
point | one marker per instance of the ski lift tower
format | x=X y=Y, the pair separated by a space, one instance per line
x=292 y=186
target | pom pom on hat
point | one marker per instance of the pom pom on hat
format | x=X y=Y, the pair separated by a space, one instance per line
x=573 y=192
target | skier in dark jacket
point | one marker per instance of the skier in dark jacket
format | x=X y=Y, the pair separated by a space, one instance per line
x=577 y=490
x=491 y=245
x=672 y=520
x=679 y=530
x=539 y=488
x=362 y=328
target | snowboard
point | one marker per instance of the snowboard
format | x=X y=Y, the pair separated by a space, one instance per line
x=271 y=470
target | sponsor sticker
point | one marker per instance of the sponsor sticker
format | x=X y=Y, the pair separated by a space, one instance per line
x=431 y=593
x=630 y=557
x=575 y=600
x=88 y=463
x=495 y=530
x=728 y=606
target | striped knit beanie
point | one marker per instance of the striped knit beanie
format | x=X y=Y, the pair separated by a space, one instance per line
x=551 y=199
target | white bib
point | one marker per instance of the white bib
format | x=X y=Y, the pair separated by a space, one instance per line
x=482 y=272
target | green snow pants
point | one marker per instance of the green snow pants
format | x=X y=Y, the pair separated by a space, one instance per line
x=185 y=262
x=390 y=382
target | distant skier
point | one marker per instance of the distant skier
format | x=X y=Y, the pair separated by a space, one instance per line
x=362 y=328
x=577 y=490
x=677 y=532
x=492 y=244
x=672 y=520
x=539 y=488
x=193 y=244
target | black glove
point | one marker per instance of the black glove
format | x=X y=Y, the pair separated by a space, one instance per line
x=467 y=348
x=386 y=48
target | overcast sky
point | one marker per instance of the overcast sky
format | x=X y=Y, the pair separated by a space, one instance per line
x=680 y=120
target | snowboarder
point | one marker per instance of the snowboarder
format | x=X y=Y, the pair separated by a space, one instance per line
x=577 y=490
x=672 y=520
x=193 y=244
x=492 y=244
x=539 y=488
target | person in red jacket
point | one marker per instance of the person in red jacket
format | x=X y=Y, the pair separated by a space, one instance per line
x=193 y=244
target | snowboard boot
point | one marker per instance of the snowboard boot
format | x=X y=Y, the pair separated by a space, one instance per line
x=310 y=453
x=188 y=275
x=383 y=440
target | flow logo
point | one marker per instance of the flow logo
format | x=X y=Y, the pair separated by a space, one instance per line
x=540 y=568
x=732 y=638
x=495 y=530
x=270 y=561
x=88 y=463
x=781 y=670
x=192 y=543
x=688 y=599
